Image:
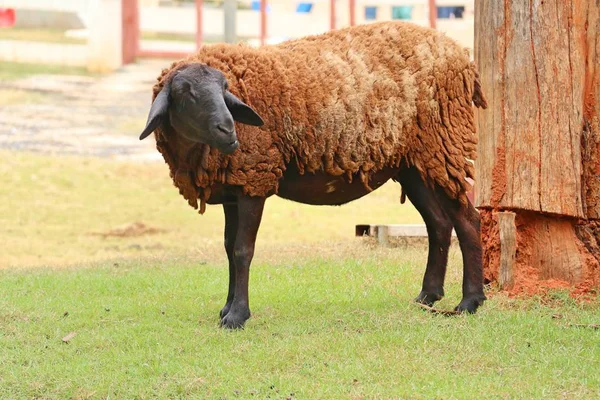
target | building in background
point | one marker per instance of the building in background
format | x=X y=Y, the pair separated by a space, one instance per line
x=99 y=23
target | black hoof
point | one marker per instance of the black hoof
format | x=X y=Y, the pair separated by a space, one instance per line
x=235 y=320
x=470 y=305
x=428 y=298
x=224 y=311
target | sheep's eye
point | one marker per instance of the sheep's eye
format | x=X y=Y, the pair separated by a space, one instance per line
x=186 y=96
x=192 y=97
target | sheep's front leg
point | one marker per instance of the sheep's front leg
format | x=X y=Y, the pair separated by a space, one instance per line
x=249 y=212
x=231 y=226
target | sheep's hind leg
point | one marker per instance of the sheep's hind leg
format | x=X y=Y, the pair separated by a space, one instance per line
x=439 y=231
x=249 y=211
x=466 y=222
x=231 y=226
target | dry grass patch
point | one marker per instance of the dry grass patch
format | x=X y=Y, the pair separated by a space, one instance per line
x=56 y=206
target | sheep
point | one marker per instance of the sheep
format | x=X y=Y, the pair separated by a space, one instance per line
x=325 y=120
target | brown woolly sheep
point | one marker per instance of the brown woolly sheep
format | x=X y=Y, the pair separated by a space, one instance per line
x=343 y=113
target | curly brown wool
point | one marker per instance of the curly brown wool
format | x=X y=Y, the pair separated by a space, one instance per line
x=347 y=102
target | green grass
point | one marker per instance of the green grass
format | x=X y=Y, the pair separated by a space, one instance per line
x=333 y=316
x=39 y=35
x=322 y=328
x=12 y=70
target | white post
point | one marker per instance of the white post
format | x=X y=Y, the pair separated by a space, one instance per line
x=383 y=235
x=105 y=42
x=229 y=11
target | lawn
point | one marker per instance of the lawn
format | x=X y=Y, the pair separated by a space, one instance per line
x=39 y=35
x=333 y=316
x=13 y=70
x=322 y=328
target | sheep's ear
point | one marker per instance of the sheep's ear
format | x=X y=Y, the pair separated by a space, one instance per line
x=241 y=112
x=158 y=111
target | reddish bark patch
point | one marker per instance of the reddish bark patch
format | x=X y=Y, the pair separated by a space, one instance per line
x=552 y=253
x=498 y=177
x=590 y=148
x=490 y=239
x=589 y=80
x=588 y=233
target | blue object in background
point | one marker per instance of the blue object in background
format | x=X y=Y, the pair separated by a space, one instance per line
x=370 y=13
x=402 y=12
x=304 y=8
x=447 y=12
x=256 y=6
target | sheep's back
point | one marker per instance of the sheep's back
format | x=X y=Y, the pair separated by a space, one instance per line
x=378 y=95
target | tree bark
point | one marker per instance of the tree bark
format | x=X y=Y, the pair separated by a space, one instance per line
x=539 y=62
x=508 y=248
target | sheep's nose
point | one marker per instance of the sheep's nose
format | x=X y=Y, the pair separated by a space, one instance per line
x=226 y=129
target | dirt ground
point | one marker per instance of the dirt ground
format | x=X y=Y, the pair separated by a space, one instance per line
x=82 y=115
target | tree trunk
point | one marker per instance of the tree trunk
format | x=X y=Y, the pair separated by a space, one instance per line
x=539 y=62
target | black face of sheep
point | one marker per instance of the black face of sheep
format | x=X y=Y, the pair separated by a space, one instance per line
x=196 y=103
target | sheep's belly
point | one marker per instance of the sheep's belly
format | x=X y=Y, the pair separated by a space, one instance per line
x=323 y=189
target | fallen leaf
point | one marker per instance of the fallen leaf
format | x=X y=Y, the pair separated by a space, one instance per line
x=69 y=337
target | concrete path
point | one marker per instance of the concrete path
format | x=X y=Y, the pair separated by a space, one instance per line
x=81 y=115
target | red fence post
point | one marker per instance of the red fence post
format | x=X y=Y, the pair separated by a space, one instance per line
x=263 y=22
x=332 y=14
x=130 y=30
x=199 y=31
x=352 y=7
x=432 y=13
